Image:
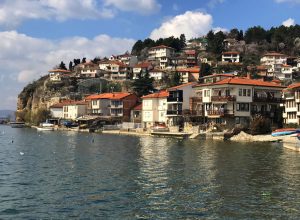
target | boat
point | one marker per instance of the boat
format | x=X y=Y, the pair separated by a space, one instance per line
x=17 y=124
x=45 y=126
x=160 y=127
x=285 y=131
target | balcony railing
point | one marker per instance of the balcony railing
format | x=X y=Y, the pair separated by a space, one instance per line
x=267 y=99
x=174 y=99
x=223 y=98
x=196 y=99
x=174 y=112
x=116 y=106
x=220 y=112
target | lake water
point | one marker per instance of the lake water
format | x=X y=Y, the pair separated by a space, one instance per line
x=61 y=175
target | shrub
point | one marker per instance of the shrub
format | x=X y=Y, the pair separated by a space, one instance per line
x=260 y=125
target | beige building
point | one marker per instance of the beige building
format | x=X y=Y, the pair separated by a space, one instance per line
x=236 y=100
x=74 y=109
x=161 y=55
x=58 y=74
x=154 y=108
x=273 y=61
x=291 y=104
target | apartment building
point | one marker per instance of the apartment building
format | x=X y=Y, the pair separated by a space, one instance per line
x=161 y=55
x=231 y=57
x=235 y=100
x=115 y=70
x=274 y=62
x=291 y=104
x=74 y=109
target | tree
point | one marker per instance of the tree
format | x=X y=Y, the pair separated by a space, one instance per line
x=205 y=70
x=143 y=85
x=175 y=79
x=62 y=66
x=215 y=42
x=182 y=41
x=76 y=62
x=71 y=66
x=255 y=34
x=234 y=33
x=83 y=60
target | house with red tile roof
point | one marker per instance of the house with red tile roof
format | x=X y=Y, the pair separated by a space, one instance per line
x=58 y=74
x=273 y=61
x=141 y=67
x=231 y=57
x=154 y=108
x=115 y=70
x=291 y=104
x=190 y=74
x=235 y=100
x=117 y=104
x=74 y=109
x=167 y=106
x=162 y=55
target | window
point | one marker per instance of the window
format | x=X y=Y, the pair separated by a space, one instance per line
x=206 y=93
x=94 y=102
x=242 y=107
x=244 y=92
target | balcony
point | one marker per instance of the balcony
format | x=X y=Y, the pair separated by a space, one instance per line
x=196 y=99
x=220 y=113
x=174 y=99
x=267 y=99
x=223 y=98
x=174 y=112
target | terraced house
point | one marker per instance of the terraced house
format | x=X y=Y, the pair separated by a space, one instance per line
x=291 y=104
x=235 y=100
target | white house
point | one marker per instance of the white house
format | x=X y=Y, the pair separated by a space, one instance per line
x=235 y=100
x=154 y=108
x=74 y=109
x=231 y=57
x=141 y=67
x=273 y=61
x=89 y=69
x=57 y=74
x=157 y=74
x=115 y=70
x=161 y=54
x=291 y=104
x=56 y=110
x=286 y=72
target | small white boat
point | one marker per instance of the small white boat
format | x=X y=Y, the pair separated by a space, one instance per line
x=17 y=124
x=45 y=128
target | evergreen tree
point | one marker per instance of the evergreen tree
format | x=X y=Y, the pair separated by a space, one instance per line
x=62 y=66
x=143 y=85
x=71 y=66
x=205 y=70
x=175 y=79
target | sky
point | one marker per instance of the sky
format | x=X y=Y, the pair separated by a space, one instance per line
x=36 y=35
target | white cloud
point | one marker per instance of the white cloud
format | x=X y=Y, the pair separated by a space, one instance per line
x=191 y=23
x=24 y=58
x=289 y=22
x=213 y=3
x=217 y=29
x=139 y=6
x=12 y=13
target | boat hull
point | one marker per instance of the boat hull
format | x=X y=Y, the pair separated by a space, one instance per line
x=45 y=129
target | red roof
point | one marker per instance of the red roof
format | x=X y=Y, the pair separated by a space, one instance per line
x=142 y=65
x=195 y=69
x=285 y=65
x=231 y=52
x=81 y=102
x=244 y=81
x=182 y=85
x=161 y=46
x=294 y=85
x=274 y=54
x=59 y=71
x=160 y=94
x=114 y=95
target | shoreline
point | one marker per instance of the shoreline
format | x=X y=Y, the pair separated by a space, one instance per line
x=288 y=142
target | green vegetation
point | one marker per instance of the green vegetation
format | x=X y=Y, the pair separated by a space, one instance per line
x=143 y=85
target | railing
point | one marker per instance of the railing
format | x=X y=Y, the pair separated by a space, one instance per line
x=116 y=106
x=174 y=112
x=196 y=99
x=267 y=99
x=223 y=98
x=174 y=99
x=219 y=112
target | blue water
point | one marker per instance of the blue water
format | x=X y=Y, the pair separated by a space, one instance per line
x=62 y=175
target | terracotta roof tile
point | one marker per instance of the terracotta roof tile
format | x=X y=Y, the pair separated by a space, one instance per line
x=182 y=85
x=138 y=107
x=294 y=85
x=160 y=94
x=115 y=95
x=59 y=71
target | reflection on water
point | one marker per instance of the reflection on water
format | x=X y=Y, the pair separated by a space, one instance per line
x=74 y=175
